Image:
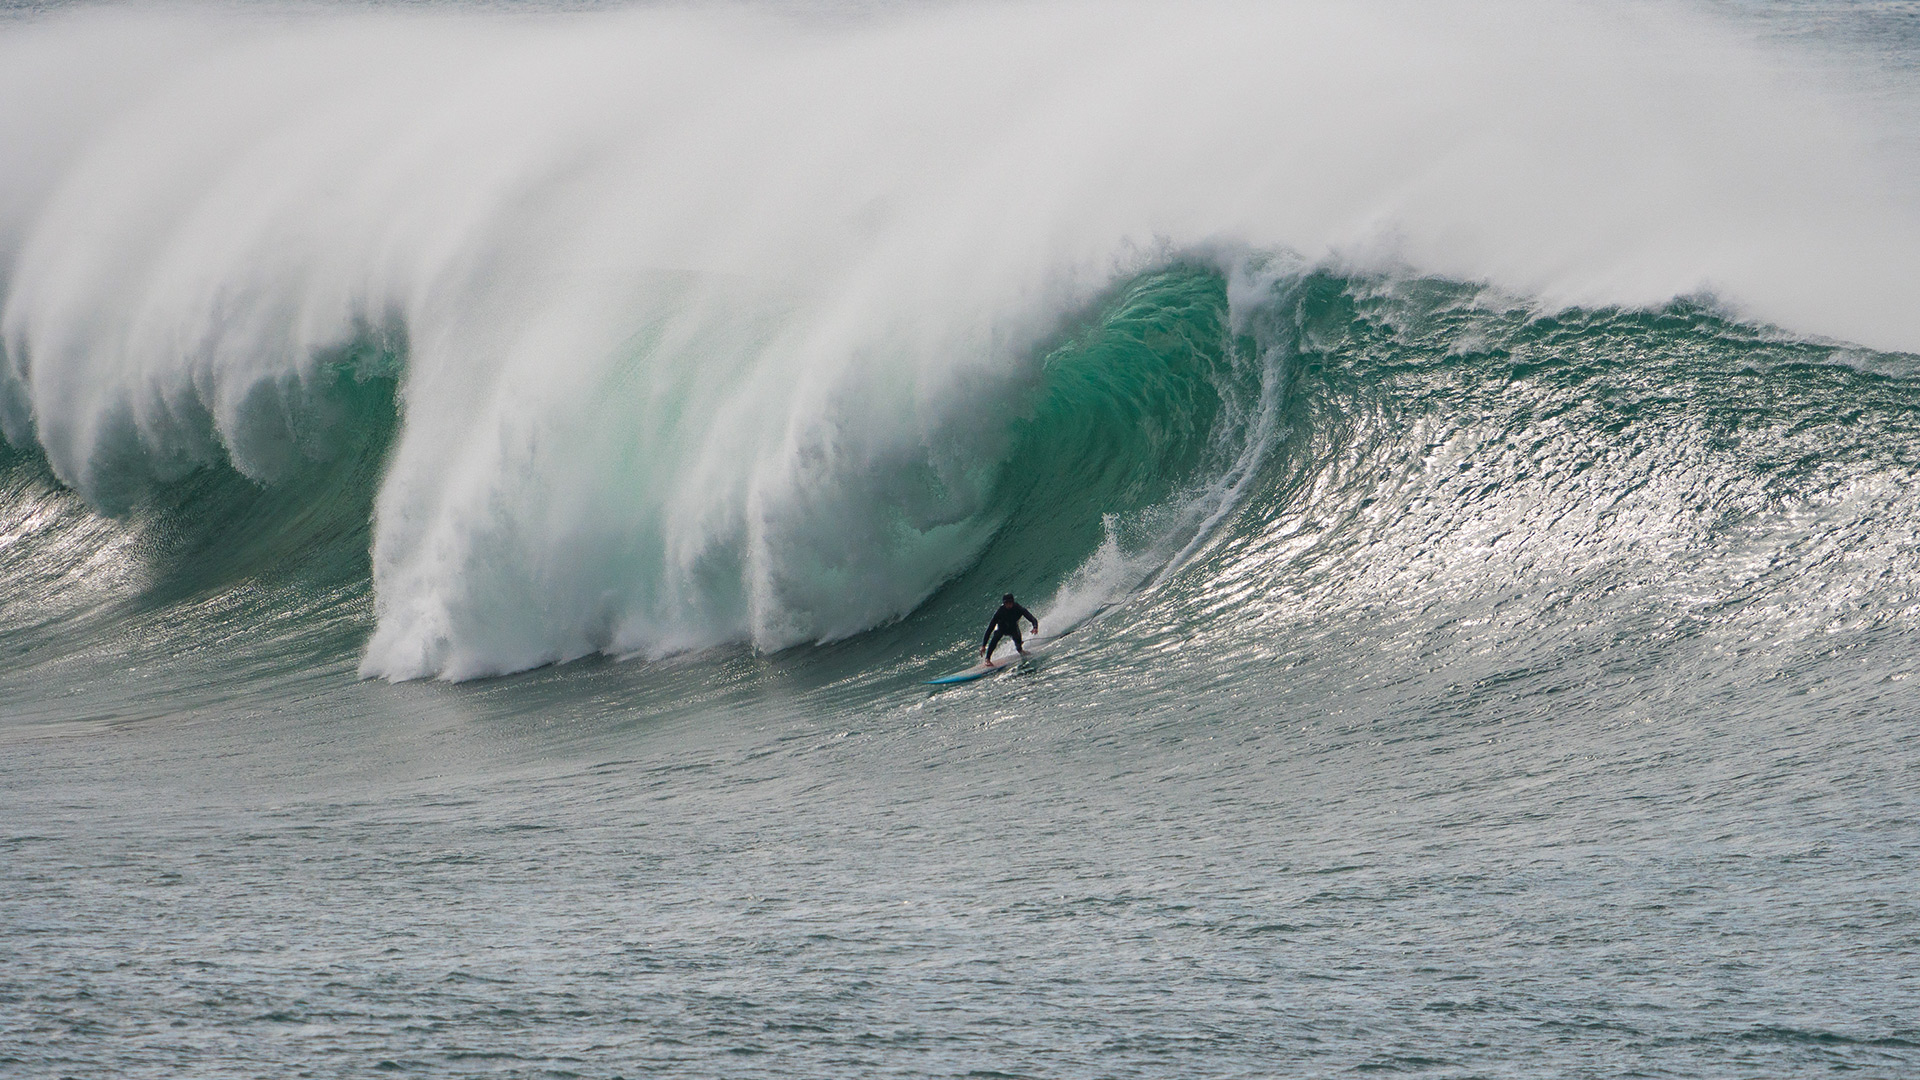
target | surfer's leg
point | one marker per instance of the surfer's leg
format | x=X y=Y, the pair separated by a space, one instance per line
x=1018 y=645
x=993 y=644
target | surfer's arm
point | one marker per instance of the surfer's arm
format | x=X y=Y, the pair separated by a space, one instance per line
x=1028 y=615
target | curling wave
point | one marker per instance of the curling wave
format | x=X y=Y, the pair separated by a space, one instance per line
x=700 y=328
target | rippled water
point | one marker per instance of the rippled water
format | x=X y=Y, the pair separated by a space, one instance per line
x=1028 y=880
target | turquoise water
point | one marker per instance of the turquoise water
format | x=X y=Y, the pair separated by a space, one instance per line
x=462 y=618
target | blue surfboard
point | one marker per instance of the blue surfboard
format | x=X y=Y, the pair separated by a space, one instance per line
x=1001 y=662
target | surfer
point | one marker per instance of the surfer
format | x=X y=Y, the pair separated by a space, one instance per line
x=1006 y=623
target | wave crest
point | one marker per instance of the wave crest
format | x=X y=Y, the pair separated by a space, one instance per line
x=724 y=326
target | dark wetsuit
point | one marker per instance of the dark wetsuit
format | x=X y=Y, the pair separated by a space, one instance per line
x=1006 y=623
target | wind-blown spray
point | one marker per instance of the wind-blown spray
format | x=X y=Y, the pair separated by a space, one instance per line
x=710 y=326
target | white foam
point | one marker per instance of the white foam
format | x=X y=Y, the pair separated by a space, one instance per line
x=709 y=311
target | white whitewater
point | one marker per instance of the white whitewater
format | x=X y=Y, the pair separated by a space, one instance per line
x=709 y=315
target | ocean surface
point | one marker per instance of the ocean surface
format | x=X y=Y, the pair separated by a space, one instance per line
x=483 y=488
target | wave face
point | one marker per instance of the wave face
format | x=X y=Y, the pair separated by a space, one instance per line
x=643 y=332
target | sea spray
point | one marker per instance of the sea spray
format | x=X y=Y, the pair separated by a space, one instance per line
x=715 y=322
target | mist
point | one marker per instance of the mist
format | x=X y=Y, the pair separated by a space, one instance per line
x=686 y=292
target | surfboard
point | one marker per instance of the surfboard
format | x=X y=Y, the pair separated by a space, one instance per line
x=1002 y=661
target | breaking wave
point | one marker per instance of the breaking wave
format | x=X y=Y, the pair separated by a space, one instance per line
x=520 y=338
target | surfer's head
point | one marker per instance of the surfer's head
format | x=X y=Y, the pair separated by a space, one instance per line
x=1007 y=599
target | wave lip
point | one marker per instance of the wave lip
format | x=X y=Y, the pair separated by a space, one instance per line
x=712 y=324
